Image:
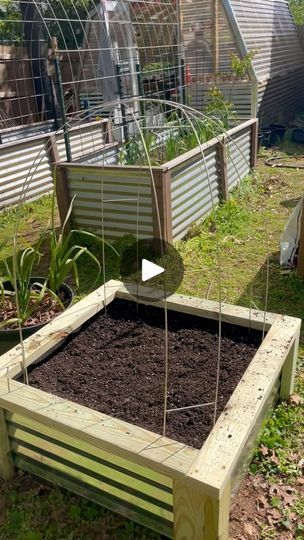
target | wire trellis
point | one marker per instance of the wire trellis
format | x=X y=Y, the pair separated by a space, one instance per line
x=121 y=62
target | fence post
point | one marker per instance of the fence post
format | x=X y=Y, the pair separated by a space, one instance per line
x=63 y=196
x=52 y=149
x=254 y=144
x=162 y=204
x=223 y=178
x=289 y=368
x=6 y=461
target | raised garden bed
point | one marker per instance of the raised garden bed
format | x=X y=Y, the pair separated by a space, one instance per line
x=120 y=199
x=170 y=486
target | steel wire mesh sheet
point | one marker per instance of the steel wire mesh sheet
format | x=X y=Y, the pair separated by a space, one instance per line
x=65 y=58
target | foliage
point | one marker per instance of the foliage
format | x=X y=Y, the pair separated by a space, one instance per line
x=241 y=66
x=66 y=21
x=218 y=108
x=65 y=255
x=25 y=294
x=155 y=67
x=10 y=25
x=181 y=135
x=297 y=10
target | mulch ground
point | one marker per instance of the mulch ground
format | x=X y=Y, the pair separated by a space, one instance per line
x=115 y=365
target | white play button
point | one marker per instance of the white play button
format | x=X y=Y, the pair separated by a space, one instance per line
x=150 y=270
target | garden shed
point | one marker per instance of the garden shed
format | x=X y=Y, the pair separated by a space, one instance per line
x=191 y=44
x=214 y=30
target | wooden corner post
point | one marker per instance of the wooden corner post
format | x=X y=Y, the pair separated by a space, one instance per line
x=223 y=177
x=161 y=205
x=254 y=144
x=6 y=461
x=199 y=515
x=62 y=192
x=290 y=366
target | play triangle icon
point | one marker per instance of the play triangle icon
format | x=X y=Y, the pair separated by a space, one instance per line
x=150 y=270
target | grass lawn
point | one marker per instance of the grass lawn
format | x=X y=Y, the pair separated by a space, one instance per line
x=235 y=251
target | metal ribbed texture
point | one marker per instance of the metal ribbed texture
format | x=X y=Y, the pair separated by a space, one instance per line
x=194 y=191
x=116 y=483
x=127 y=200
x=238 y=158
x=281 y=97
x=25 y=172
x=197 y=33
x=195 y=184
x=238 y=93
x=84 y=140
x=268 y=27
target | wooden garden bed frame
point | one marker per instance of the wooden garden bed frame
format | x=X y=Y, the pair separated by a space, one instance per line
x=163 y=484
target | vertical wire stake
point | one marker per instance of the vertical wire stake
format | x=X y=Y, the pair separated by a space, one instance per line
x=266 y=296
x=219 y=350
x=103 y=249
x=166 y=365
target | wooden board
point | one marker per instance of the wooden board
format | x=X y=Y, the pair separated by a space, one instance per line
x=142 y=475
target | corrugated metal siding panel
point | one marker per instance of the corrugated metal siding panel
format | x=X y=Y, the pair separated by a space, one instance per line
x=281 y=97
x=194 y=191
x=117 y=217
x=237 y=93
x=197 y=33
x=267 y=25
x=84 y=140
x=25 y=172
x=195 y=185
x=238 y=158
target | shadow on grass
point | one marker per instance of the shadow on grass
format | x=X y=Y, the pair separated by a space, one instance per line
x=285 y=290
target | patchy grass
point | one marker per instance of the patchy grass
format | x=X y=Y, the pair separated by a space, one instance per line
x=238 y=246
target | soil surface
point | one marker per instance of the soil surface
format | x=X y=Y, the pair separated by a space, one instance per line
x=42 y=314
x=115 y=365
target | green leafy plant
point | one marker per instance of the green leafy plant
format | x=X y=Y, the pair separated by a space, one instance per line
x=18 y=287
x=219 y=109
x=20 y=293
x=241 y=66
x=64 y=256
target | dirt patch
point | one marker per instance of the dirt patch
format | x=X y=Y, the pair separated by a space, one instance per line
x=116 y=365
x=261 y=505
x=44 y=313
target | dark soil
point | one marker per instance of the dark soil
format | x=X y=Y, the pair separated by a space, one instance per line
x=116 y=365
x=44 y=313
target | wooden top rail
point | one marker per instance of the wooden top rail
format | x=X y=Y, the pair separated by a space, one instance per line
x=209 y=309
x=216 y=460
x=136 y=444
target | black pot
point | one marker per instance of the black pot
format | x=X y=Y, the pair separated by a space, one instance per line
x=264 y=138
x=277 y=131
x=298 y=135
x=10 y=337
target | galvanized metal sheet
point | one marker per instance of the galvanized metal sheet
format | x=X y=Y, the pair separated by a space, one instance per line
x=199 y=178
x=267 y=26
x=195 y=187
x=238 y=158
x=110 y=202
x=25 y=172
x=281 y=97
